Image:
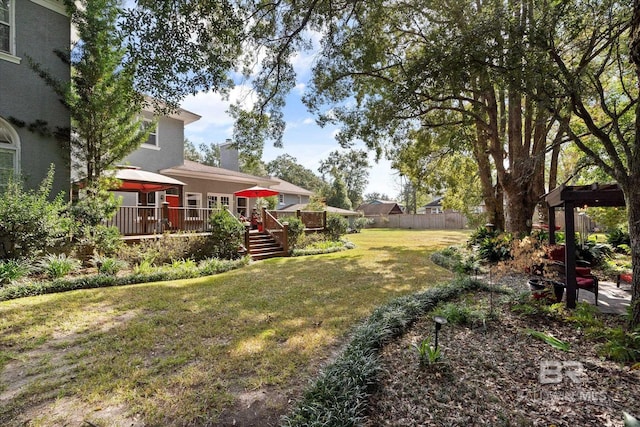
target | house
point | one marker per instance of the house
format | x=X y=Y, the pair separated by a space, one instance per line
x=434 y=207
x=212 y=187
x=380 y=208
x=290 y=194
x=30 y=111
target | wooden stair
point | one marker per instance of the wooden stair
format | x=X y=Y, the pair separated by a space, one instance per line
x=263 y=245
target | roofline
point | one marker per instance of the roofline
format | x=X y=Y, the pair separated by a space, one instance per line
x=212 y=176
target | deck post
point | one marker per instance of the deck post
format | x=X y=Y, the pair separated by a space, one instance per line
x=285 y=240
x=164 y=217
x=552 y=225
x=570 y=254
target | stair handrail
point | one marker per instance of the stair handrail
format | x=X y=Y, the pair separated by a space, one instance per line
x=278 y=230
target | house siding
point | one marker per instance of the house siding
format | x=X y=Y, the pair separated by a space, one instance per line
x=25 y=97
x=169 y=151
x=293 y=199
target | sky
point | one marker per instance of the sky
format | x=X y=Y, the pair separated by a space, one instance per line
x=303 y=138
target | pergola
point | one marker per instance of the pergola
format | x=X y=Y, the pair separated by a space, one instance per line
x=570 y=197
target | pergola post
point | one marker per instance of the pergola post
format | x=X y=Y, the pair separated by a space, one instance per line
x=552 y=224
x=570 y=254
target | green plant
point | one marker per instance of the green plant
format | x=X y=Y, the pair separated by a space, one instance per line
x=30 y=222
x=594 y=253
x=621 y=345
x=427 y=354
x=337 y=226
x=226 y=235
x=458 y=313
x=13 y=269
x=295 y=231
x=56 y=266
x=360 y=223
x=585 y=316
x=107 y=265
x=144 y=267
x=495 y=249
x=549 y=339
x=480 y=234
x=166 y=249
x=618 y=237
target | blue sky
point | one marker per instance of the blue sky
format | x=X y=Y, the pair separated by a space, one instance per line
x=303 y=138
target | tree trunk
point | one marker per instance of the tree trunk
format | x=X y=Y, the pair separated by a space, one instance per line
x=632 y=197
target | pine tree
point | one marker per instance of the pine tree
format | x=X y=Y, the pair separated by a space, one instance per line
x=104 y=106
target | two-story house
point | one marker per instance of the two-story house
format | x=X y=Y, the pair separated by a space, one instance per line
x=30 y=111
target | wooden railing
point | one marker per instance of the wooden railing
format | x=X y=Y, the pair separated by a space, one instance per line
x=312 y=220
x=144 y=220
x=279 y=231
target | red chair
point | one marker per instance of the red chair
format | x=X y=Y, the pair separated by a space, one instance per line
x=584 y=279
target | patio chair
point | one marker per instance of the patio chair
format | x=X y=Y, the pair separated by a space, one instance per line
x=584 y=279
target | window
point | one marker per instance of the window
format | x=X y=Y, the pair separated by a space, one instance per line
x=242 y=206
x=153 y=135
x=218 y=201
x=194 y=202
x=149 y=197
x=6 y=24
x=281 y=199
x=437 y=210
x=9 y=153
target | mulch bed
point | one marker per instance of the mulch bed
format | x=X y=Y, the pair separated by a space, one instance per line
x=490 y=375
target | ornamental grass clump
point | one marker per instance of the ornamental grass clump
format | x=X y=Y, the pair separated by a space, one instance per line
x=57 y=266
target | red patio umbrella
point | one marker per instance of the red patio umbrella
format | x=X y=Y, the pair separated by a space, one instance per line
x=256 y=192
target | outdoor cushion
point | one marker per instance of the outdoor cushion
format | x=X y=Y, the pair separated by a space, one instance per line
x=583 y=271
x=585 y=282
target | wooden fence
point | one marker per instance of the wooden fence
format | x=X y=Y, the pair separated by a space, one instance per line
x=441 y=221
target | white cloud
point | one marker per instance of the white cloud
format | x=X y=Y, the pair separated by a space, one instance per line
x=300 y=87
x=213 y=107
x=308 y=121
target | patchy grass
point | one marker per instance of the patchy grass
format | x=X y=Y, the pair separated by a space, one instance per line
x=203 y=350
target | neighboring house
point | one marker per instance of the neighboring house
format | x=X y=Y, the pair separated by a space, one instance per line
x=32 y=29
x=434 y=207
x=290 y=194
x=380 y=208
x=213 y=187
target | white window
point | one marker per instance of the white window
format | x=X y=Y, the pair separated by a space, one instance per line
x=153 y=135
x=281 y=199
x=194 y=203
x=437 y=210
x=6 y=27
x=9 y=153
x=218 y=201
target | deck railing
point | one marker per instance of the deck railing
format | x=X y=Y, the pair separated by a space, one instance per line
x=144 y=220
x=312 y=220
x=279 y=230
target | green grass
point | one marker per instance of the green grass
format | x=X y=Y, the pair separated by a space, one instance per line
x=180 y=351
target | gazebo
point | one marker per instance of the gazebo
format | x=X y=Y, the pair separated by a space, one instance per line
x=570 y=197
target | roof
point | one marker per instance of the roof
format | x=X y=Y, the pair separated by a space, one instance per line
x=180 y=114
x=329 y=209
x=285 y=187
x=389 y=208
x=590 y=195
x=437 y=202
x=198 y=170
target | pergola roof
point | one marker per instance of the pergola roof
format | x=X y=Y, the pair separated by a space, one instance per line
x=590 y=195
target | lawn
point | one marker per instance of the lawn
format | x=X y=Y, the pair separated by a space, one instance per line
x=212 y=350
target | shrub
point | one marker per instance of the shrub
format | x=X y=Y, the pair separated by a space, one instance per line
x=226 y=235
x=360 y=223
x=56 y=266
x=479 y=235
x=13 y=269
x=336 y=226
x=107 y=265
x=621 y=345
x=495 y=249
x=296 y=231
x=617 y=238
x=29 y=222
x=166 y=248
x=594 y=253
